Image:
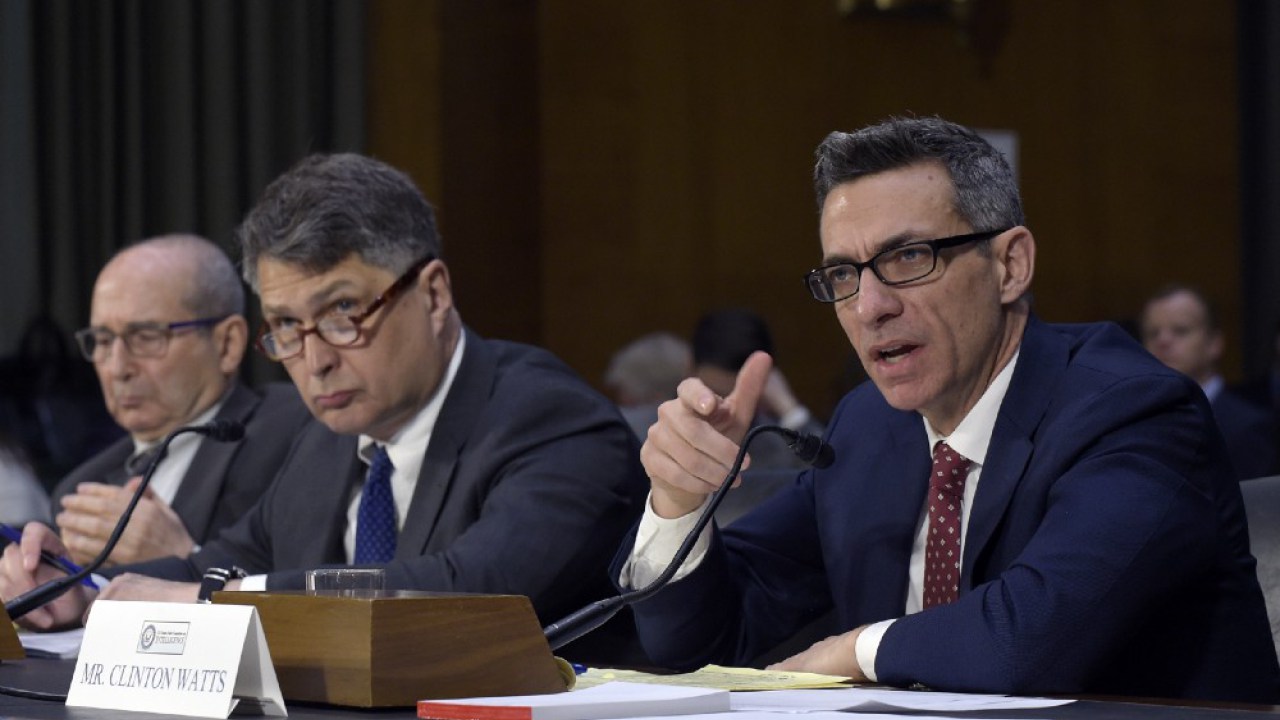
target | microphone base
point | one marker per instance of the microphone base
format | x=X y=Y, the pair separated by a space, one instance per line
x=394 y=649
x=10 y=647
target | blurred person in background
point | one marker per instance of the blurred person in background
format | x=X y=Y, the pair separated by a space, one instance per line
x=1180 y=327
x=644 y=374
x=22 y=498
x=166 y=336
x=722 y=342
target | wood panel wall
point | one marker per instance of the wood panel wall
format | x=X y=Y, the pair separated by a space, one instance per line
x=609 y=169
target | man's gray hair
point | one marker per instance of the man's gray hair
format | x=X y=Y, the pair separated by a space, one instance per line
x=328 y=207
x=986 y=193
x=215 y=289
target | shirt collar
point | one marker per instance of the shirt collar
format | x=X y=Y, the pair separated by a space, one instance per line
x=410 y=443
x=972 y=436
x=1213 y=387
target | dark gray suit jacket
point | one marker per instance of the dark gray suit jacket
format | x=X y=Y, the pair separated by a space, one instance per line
x=530 y=481
x=225 y=479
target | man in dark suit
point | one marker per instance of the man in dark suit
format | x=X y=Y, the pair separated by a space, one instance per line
x=490 y=466
x=177 y=306
x=1179 y=326
x=1014 y=507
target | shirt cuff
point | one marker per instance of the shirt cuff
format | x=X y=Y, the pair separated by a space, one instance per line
x=796 y=418
x=868 y=645
x=657 y=541
x=256 y=583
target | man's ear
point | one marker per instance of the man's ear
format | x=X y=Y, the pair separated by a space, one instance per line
x=231 y=339
x=437 y=288
x=1015 y=252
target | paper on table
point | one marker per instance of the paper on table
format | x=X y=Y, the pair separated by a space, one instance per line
x=716 y=676
x=609 y=700
x=819 y=715
x=873 y=699
x=65 y=644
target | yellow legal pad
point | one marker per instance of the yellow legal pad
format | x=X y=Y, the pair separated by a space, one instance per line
x=717 y=676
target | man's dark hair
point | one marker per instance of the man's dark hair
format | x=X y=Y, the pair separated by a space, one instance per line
x=986 y=194
x=1168 y=291
x=726 y=338
x=328 y=207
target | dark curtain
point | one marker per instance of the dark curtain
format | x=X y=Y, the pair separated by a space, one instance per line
x=125 y=119
x=1260 y=181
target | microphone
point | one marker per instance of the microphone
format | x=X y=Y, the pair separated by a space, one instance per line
x=219 y=430
x=808 y=447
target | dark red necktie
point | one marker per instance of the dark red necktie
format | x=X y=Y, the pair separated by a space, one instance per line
x=942 y=552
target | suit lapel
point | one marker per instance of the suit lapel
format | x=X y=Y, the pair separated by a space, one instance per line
x=197 y=496
x=114 y=462
x=339 y=458
x=461 y=411
x=899 y=494
x=868 y=505
x=1042 y=359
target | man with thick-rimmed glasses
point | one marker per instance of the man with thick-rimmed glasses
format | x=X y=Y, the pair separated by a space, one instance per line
x=453 y=462
x=1014 y=506
x=166 y=336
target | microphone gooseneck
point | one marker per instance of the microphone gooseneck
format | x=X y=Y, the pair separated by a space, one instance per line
x=219 y=430
x=808 y=447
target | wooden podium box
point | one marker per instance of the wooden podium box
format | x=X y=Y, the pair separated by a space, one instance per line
x=394 y=649
x=10 y=646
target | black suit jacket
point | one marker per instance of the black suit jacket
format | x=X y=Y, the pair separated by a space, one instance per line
x=529 y=482
x=1250 y=433
x=225 y=478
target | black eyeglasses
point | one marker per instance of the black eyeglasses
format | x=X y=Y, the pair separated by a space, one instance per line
x=895 y=266
x=144 y=339
x=337 y=329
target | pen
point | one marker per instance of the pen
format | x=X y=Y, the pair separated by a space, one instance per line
x=14 y=536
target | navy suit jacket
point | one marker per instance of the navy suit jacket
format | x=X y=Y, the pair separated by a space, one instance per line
x=1107 y=550
x=225 y=479
x=529 y=482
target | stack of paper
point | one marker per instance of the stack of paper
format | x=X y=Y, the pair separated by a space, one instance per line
x=610 y=700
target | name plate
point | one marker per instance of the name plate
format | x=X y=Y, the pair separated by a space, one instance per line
x=176 y=658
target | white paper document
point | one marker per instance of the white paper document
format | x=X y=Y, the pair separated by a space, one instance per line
x=816 y=715
x=879 y=699
x=65 y=644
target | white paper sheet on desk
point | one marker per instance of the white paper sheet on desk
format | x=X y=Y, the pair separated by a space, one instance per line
x=876 y=699
x=817 y=715
x=65 y=644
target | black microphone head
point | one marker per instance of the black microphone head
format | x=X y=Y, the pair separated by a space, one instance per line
x=825 y=458
x=812 y=450
x=224 y=430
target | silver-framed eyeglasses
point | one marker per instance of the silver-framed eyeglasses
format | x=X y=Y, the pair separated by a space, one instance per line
x=337 y=329
x=141 y=339
x=895 y=266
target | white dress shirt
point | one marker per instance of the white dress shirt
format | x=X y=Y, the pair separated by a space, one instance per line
x=169 y=474
x=407 y=448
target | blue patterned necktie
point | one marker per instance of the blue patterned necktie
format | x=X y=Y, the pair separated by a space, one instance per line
x=376 y=518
